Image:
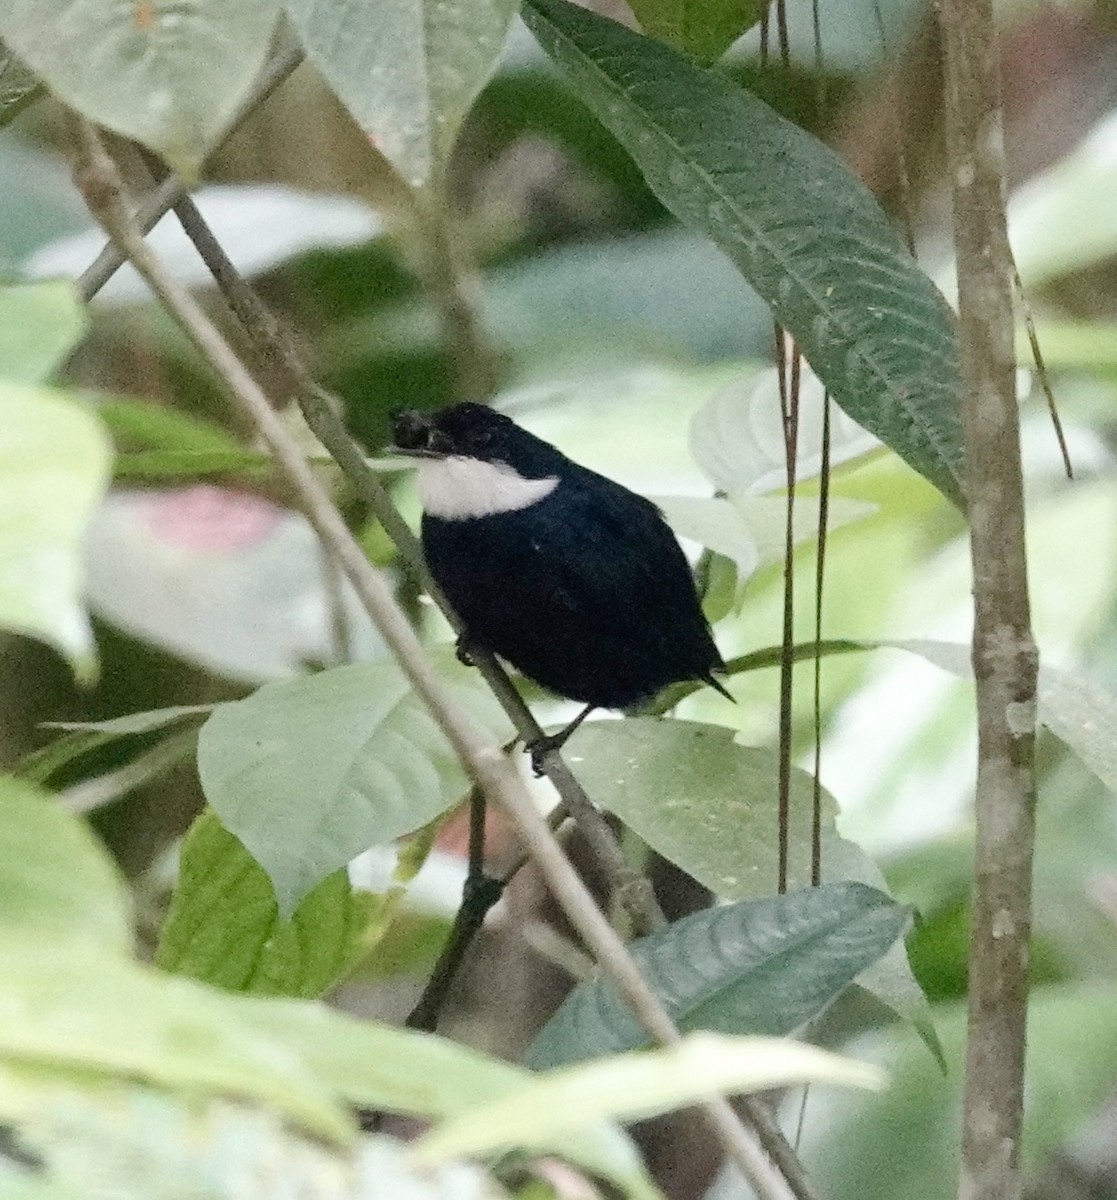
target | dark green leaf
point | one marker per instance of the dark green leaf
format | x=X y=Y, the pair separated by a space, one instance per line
x=754 y=967
x=805 y=233
x=223 y=926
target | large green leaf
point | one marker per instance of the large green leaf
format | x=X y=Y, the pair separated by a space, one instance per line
x=55 y=877
x=40 y=323
x=398 y=1070
x=169 y=75
x=54 y=467
x=135 y=1144
x=755 y=967
x=700 y=28
x=632 y=1086
x=309 y=772
x=805 y=233
x=407 y=70
x=224 y=927
x=711 y=806
x=63 y=1006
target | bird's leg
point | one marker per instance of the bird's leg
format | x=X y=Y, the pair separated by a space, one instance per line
x=541 y=746
x=465 y=649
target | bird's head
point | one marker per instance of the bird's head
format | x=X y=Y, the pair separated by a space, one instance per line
x=475 y=461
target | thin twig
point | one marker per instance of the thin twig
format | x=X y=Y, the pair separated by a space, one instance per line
x=493 y=772
x=1004 y=653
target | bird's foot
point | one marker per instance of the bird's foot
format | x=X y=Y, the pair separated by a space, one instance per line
x=466 y=650
x=543 y=745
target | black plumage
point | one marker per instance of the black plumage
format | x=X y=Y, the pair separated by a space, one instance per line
x=579 y=584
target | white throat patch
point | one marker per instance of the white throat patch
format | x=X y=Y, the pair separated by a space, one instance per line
x=458 y=488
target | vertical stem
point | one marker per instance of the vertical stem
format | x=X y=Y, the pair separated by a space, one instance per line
x=1004 y=653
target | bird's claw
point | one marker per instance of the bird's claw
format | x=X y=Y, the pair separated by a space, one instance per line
x=538 y=748
x=465 y=651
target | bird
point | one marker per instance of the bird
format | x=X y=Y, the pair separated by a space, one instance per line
x=566 y=575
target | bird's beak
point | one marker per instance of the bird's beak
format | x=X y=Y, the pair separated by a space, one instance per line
x=414 y=436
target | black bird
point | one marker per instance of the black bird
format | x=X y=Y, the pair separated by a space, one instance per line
x=573 y=579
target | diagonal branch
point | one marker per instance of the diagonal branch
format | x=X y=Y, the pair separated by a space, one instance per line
x=100 y=183
x=1004 y=654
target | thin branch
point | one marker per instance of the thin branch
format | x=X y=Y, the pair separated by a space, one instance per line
x=1004 y=654
x=485 y=763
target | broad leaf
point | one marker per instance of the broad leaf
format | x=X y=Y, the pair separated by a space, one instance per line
x=703 y=29
x=1077 y=710
x=398 y=1070
x=66 y=1007
x=310 y=772
x=755 y=967
x=711 y=806
x=224 y=928
x=805 y=233
x=55 y=877
x=54 y=467
x=140 y=1145
x=633 y=1086
x=40 y=323
x=169 y=75
x=407 y=70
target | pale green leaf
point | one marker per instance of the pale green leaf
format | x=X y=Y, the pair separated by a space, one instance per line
x=56 y=879
x=630 y=1087
x=407 y=70
x=40 y=323
x=224 y=928
x=169 y=75
x=54 y=468
x=309 y=772
x=109 y=1017
x=802 y=229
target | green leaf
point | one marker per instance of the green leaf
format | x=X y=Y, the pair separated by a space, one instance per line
x=65 y=1006
x=711 y=806
x=131 y=1143
x=399 y=1070
x=40 y=323
x=56 y=878
x=633 y=1086
x=169 y=75
x=407 y=70
x=309 y=772
x=755 y=967
x=704 y=29
x=223 y=926
x=1077 y=710
x=139 y=424
x=804 y=232
x=54 y=467
x=19 y=87
x=134 y=723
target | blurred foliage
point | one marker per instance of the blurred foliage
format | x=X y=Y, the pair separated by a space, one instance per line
x=610 y=328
